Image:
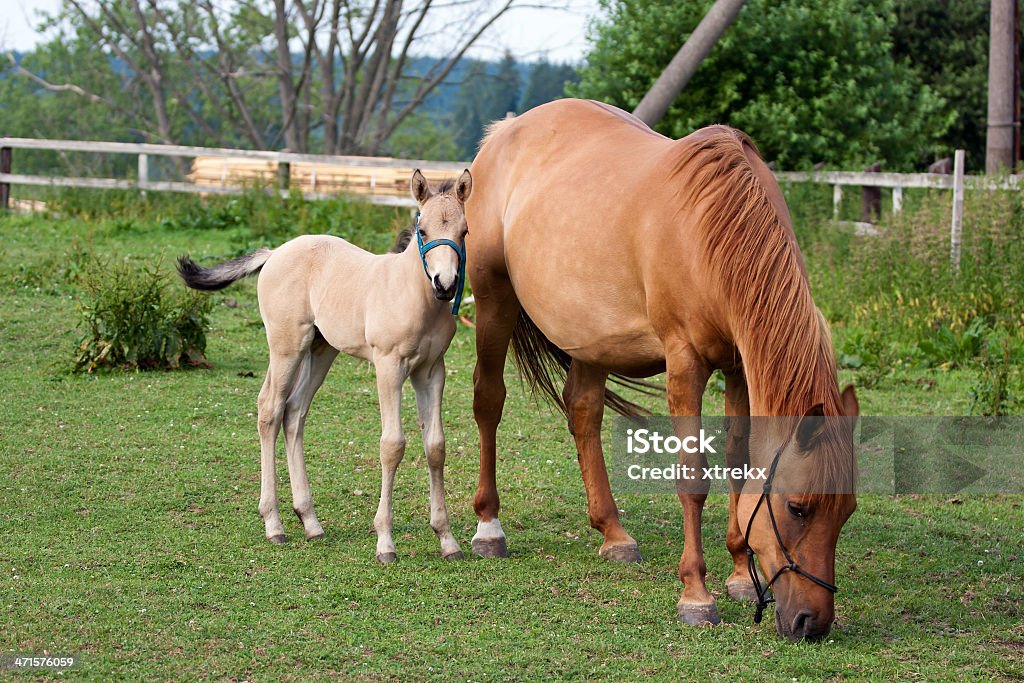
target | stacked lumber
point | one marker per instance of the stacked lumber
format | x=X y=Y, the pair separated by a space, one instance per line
x=311 y=177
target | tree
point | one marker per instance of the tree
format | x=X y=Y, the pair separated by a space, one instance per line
x=686 y=62
x=202 y=73
x=546 y=82
x=485 y=96
x=809 y=81
x=946 y=44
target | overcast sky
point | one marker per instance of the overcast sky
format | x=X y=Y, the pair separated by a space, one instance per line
x=529 y=33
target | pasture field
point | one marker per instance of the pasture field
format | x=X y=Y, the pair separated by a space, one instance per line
x=129 y=532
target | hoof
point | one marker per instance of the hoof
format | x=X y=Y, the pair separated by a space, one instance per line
x=278 y=539
x=699 y=615
x=316 y=537
x=387 y=558
x=490 y=547
x=457 y=555
x=622 y=553
x=742 y=591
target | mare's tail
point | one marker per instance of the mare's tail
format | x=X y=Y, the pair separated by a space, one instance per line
x=219 y=277
x=541 y=364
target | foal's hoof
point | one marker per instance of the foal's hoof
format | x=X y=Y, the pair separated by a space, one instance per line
x=699 y=615
x=490 y=547
x=743 y=591
x=628 y=553
x=316 y=537
x=277 y=539
x=387 y=558
x=457 y=555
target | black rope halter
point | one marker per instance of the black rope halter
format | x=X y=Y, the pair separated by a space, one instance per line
x=764 y=597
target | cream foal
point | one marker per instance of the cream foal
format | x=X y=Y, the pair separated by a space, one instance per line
x=319 y=295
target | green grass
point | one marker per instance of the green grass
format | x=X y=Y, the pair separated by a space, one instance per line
x=130 y=533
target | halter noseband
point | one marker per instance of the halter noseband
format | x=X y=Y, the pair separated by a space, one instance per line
x=764 y=598
x=459 y=249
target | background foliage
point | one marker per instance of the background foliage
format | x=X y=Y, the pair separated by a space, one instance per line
x=811 y=81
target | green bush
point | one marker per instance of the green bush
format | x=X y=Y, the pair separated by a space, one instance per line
x=134 y=318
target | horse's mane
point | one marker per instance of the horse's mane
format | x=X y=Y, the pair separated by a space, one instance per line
x=788 y=361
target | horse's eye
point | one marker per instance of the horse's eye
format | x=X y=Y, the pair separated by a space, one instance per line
x=797 y=510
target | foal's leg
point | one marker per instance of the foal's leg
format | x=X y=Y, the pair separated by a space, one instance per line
x=584 y=399
x=309 y=378
x=286 y=354
x=737 y=454
x=429 y=385
x=686 y=378
x=391 y=374
x=496 y=312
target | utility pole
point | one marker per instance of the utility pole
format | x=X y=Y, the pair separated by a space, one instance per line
x=682 y=67
x=1003 y=93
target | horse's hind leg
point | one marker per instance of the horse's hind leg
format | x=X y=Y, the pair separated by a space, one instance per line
x=584 y=398
x=429 y=385
x=309 y=378
x=391 y=374
x=737 y=454
x=686 y=378
x=276 y=388
x=497 y=310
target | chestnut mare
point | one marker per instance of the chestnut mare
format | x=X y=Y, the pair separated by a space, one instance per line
x=598 y=247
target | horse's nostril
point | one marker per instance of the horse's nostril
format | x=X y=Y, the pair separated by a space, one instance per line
x=803 y=621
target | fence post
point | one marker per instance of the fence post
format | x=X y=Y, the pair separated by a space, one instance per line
x=897 y=199
x=284 y=175
x=143 y=172
x=837 y=198
x=871 y=198
x=958 y=210
x=5 y=188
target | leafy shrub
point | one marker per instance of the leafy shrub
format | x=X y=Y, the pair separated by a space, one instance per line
x=134 y=318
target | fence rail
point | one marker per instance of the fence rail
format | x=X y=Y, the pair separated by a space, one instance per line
x=957 y=182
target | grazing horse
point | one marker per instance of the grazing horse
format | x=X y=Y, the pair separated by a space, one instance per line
x=601 y=248
x=320 y=295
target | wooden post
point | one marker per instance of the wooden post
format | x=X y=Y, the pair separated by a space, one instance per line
x=284 y=175
x=897 y=199
x=143 y=172
x=958 y=210
x=5 y=188
x=837 y=199
x=871 y=198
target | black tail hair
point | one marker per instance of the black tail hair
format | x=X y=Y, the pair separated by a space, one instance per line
x=541 y=364
x=219 y=277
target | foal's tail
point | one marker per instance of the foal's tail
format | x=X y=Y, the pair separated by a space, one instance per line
x=219 y=277
x=541 y=364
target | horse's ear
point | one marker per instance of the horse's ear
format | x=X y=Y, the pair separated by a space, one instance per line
x=419 y=187
x=464 y=186
x=811 y=426
x=851 y=407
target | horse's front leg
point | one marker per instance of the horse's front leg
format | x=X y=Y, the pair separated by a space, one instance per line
x=737 y=454
x=686 y=378
x=429 y=385
x=391 y=374
x=584 y=400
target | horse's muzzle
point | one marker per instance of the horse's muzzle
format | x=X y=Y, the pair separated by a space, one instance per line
x=442 y=293
x=805 y=625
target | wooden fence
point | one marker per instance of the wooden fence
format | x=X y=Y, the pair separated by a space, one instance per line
x=383 y=180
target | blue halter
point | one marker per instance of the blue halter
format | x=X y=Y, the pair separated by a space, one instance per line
x=459 y=249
